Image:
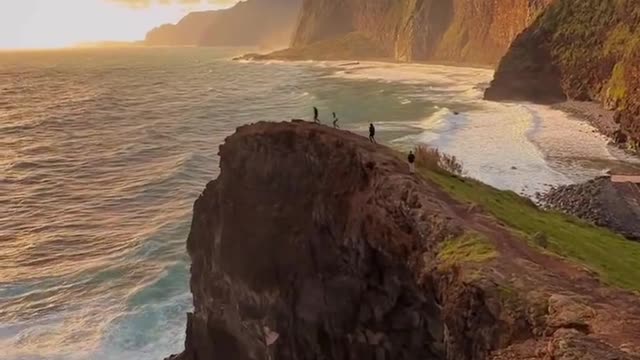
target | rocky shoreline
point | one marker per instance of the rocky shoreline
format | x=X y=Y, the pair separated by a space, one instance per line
x=601 y=202
x=602 y=119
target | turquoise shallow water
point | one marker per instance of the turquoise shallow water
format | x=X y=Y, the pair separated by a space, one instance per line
x=102 y=153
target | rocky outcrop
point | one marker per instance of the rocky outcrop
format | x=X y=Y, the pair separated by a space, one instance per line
x=314 y=243
x=267 y=23
x=468 y=31
x=583 y=50
x=612 y=205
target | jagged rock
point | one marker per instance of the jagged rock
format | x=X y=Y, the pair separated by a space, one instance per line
x=565 y=312
x=314 y=243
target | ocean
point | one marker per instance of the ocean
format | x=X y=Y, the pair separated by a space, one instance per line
x=102 y=153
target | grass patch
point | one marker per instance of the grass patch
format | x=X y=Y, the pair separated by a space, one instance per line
x=468 y=248
x=614 y=258
x=431 y=158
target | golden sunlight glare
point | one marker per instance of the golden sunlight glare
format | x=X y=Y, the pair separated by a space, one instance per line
x=28 y=24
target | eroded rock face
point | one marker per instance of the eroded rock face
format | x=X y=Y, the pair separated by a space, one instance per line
x=294 y=238
x=314 y=243
x=581 y=50
x=317 y=244
x=471 y=31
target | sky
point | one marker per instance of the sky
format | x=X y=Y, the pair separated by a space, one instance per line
x=31 y=24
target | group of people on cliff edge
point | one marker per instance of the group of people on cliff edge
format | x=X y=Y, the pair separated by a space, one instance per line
x=411 y=158
x=316 y=119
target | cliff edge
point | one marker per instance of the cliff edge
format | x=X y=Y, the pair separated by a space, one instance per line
x=583 y=50
x=315 y=244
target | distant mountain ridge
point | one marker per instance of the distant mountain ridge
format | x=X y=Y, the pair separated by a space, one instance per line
x=248 y=23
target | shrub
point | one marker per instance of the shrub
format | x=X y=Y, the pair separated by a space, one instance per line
x=434 y=159
x=540 y=239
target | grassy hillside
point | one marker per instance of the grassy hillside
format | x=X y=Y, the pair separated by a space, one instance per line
x=615 y=259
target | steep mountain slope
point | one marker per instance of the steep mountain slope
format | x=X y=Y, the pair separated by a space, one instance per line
x=314 y=243
x=579 y=49
x=250 y=22
x=471 y=31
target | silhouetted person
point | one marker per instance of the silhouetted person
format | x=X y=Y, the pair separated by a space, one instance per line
x=315 y=115
x=372 y=133
x=335 y=121
x=412 y=159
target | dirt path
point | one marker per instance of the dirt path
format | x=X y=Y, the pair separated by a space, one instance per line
x=616 y=318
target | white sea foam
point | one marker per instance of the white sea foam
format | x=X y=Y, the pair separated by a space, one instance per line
x=521 y=147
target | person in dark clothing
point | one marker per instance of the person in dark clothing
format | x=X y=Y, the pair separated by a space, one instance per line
x=335 y=121
x=315 y=115
x=412 y=159
x=372 y=133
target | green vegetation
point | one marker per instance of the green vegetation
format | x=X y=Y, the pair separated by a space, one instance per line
x=617 y=85
x=468 y=248
x=432 y=158
x=614 y=258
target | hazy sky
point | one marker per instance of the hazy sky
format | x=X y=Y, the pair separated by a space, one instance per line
x=58 y=23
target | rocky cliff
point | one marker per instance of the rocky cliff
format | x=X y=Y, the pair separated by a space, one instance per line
x=268 y=23
x=579 y=49
x=469 y=31
x=315 y=244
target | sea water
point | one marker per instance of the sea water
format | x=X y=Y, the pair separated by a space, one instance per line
x=102 y=153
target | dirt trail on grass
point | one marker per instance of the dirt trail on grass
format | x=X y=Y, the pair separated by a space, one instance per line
x=613 y=315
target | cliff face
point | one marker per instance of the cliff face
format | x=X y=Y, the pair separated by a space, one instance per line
x=579 y=49
x=248 y=23
x=315 y=244
x=471 y=31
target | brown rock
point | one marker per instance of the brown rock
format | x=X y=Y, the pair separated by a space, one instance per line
x=470 y=31
x=300 y=251
x=565 y=312
x=551 y=61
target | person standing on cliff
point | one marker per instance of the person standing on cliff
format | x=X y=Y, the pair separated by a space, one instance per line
x=412 y=159
x=335 y=121
x=372 y=133
x=315 y=115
